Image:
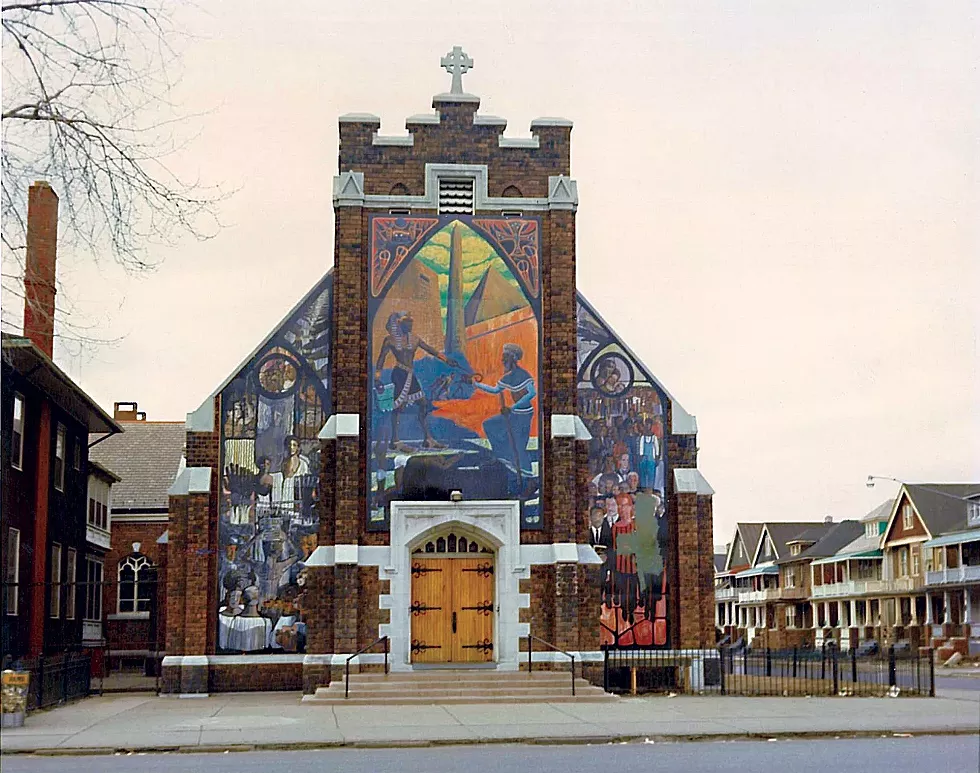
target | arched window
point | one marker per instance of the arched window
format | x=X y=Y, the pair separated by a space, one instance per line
x=136 y=584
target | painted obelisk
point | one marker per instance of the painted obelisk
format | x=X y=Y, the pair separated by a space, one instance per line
x=455 y=322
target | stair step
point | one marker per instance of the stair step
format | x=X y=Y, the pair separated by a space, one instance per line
x=601 y=697
x=475 y=675
x=401 y=690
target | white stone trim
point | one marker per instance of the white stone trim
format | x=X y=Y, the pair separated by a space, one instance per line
x=407 y=140
x=341 y=425
x=128 y=616
x=497 y=522
x=431 y=119
x=202 y=419
x=367 y=555
x=562 y=193
x=488 y=120
x=192 y=480
x=482 y=201
x=345 y=554
x=450 y=97
x=581 y=431
x=540 y=123
x=359 y=118
x=565 y=552
x=688 y=480
x=562 y=425
x=518 y=142
x=348 y=189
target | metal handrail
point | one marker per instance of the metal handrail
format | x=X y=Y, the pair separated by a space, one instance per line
x=361 y=652
x=531 y=638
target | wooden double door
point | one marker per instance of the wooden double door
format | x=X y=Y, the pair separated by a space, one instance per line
x=452 y=610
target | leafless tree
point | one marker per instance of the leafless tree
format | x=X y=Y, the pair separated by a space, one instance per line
x=86 y=106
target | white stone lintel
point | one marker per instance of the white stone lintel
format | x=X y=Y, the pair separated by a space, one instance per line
x=569 y=425
x=345 y=554
x=431 y=119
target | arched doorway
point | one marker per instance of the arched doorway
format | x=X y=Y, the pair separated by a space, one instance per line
x=452 y=600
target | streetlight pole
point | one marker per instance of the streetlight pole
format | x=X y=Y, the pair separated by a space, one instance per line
x=872 y=478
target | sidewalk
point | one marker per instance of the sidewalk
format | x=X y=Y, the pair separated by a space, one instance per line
x=241 y=721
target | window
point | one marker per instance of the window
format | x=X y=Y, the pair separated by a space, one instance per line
x=795 y=549
x=98 y=503
x=741 y=551
x=17 y=433
x=915 y=562
x=791 y=616
x=871 y=529
x=76 y=455
x=135 y=586
x=903 y=562
x=59 y=459
x=11 y=577
x=71 y=579
x=973 y=512
x=789 y=578
x=907 y=520
x=93 y=589
x=56 y=581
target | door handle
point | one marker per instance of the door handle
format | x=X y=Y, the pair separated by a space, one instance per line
x=454 y=622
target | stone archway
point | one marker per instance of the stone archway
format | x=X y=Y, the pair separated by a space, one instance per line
x=494 y=525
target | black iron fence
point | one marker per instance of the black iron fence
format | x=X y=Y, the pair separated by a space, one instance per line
x=55 y=679
x=729 y=671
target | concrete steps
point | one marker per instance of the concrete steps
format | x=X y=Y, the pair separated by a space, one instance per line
x=440 y=686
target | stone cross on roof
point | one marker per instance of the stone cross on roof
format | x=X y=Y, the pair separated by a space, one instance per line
x=456 y=63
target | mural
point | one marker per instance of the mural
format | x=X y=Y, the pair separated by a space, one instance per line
x=625 y=412
x=271 y=413
x=453 y=342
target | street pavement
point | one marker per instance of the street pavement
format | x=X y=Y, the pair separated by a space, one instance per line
x=896 y=755
x=280 y=721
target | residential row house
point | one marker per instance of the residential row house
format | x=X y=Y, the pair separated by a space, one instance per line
x=906 y=574
x=53 y=537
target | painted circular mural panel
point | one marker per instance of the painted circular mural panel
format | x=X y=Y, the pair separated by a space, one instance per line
x=612 y=375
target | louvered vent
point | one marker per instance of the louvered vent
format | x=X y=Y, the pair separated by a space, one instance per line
x=456 y=197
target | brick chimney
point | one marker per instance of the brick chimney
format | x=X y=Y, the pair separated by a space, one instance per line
x=127 y=412
x=39 y=271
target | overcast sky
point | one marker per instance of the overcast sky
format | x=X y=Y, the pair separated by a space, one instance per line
x=778 y=211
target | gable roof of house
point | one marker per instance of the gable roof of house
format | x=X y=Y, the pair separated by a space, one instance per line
x=781 y=532
x=941 y=505
x=881 y=513
x=147 y=458
x=748 y=535
x=835 y=537
x=720 y=562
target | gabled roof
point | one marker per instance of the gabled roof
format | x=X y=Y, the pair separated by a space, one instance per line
x=748 y=535
x=146 y=457
x=720 y=562
x=781 y=532
x=881 y=513
x=835 y=537
x=35 y=366
x=941 y=506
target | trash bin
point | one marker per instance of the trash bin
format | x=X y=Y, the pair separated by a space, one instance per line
x=13 y=697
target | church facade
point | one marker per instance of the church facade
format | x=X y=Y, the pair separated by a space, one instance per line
x=443 y=447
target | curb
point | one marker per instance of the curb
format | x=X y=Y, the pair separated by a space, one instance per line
x=539 y=741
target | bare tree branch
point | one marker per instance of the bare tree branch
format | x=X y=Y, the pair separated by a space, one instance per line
x=86 y=107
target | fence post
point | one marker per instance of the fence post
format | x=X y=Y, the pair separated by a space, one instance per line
x=796 y=655
x=835 y=664
x=721 y=668
x=65 y=668
x=40 y=681
x=823 y=662
x=932 y=674
x=891 y=665
x=854 y=666
x=768 y=662
x=605 y=670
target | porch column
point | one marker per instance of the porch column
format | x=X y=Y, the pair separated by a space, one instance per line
x=813 y=614
x=915 y=615
x=967 y=617
x=854 y=613
x=841 y=614
x=947 y=609
x=929 y=619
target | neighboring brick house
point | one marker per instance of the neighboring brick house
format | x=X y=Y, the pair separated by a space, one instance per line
x=46 y=420
x=147 y=457
x=728 y=585
x=442 y=396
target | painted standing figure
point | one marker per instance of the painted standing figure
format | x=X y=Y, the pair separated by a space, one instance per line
x=403 y=344
x=509 y=431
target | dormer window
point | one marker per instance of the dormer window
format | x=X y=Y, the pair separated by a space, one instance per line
x=871 y=530
x=795 y=550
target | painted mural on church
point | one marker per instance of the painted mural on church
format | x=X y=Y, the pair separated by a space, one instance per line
x=271 y=413
x=453 y=352
x=625 y=411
